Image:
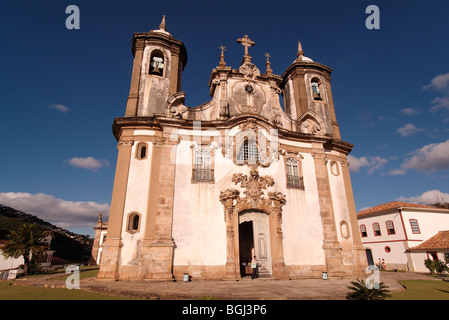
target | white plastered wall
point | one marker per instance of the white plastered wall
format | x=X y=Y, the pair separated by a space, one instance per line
x=136 y=201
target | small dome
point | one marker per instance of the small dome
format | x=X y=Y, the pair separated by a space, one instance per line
x=300 y=55
x=303 y=58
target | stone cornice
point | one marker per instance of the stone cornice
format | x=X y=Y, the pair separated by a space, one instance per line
x=299 y=68
x=159 y=121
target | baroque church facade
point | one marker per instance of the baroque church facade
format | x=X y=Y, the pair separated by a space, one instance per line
x=200 y=190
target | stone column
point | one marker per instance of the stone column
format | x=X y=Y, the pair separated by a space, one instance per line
x=331 y=246
x=231 y=268
x=133 y=99
x=110 y=260
x=335 y=126
x=156 y=262
x=359 y=250
x=277 y=243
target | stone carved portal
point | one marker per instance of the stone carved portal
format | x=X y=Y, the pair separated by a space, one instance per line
x=259 y=240
x=256 y=204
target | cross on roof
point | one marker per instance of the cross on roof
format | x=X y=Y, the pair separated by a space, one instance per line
x=246 y=42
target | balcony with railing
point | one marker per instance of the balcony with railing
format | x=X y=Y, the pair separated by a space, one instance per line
x=203 y=175
x=295 y=182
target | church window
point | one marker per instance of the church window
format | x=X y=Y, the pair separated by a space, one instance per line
x=432 y=255
x=415 y=226
x=248 y=152
x=390 y=227
x=133 y=222
x=376 y=228
x=335 y=168
x=294 y=179
x=363 y=231
x=157 y=63
x=344 y=229
x=141 y=152
x=316 y=92
x=202 y=169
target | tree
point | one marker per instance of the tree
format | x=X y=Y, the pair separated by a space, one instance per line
x=28 y=242
x=361 y=292
x=430 y=265
x=436 y=266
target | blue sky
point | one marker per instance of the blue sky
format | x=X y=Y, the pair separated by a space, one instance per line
x=61 y=89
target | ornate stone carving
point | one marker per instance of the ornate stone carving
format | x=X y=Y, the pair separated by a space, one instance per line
x=178 y=111
x=254 y=184
x=276 y=118
x=254 y=200
x=224 y=110
x=228 y=195
x=249 y=71
x=250 y=124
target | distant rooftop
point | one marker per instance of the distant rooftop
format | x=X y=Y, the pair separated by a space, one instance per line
x=437 y=242
x=393 y=205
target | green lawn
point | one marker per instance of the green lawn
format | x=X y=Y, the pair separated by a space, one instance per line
x=422 y=290
x=17 y=292
x=11 y=292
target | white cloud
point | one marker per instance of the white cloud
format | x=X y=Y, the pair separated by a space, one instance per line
x=410 y=111
x=397 y=172
x=428 y=197
x=440 y=103
x=439 y=82
x=88 y=163
x=59 y=107
x=62 y=213
x=432 y=157
x=372 y=163
x=408 y=130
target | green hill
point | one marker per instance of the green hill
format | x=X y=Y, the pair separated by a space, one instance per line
x=68 y=246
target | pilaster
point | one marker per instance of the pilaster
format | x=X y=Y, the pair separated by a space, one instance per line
x=156 y=256
x=109 y=268
x=133 y=99
x=359 y=250
x=331 y=246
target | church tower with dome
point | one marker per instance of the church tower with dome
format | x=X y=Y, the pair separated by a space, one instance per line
x=200 y=190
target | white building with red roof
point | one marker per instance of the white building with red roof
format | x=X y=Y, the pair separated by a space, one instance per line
x=400 y=234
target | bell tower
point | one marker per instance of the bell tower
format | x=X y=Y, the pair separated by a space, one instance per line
x=142 y=196
x=159 y=60
x=307 y=91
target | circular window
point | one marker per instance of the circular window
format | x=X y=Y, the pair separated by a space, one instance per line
x=249 y=88
x=387 y=249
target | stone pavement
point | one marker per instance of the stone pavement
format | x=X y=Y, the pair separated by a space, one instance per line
x=246 y=289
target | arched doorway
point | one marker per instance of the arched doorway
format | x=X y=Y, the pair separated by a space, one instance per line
x=254 y=240
x=369 y=257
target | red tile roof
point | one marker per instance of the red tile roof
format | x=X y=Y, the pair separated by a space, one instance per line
x=438 y=241
x=393 y=205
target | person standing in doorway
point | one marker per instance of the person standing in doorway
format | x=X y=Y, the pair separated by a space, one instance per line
x=254 y=264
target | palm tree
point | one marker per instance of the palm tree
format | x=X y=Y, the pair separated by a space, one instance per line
x=28 y=242
x=361 y=292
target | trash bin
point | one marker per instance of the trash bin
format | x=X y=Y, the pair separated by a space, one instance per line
x=186 y=277
x=324 y=275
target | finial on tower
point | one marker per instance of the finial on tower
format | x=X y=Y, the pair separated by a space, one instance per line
x=100 y=219
x=300 y=51
x=222 y=62
x=269 y=71
x=163 y=26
